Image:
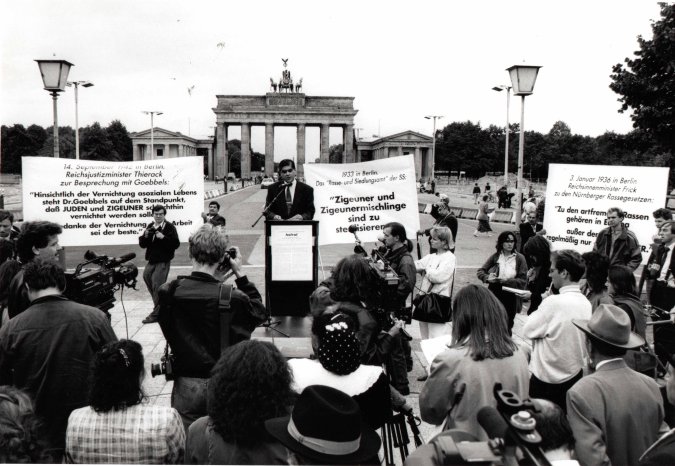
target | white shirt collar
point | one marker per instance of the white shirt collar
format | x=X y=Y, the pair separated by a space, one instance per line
x=602 y=363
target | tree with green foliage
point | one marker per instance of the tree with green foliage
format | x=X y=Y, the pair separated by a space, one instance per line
x=66 y=143
x=120 y=140
x=646 y=83
x=95 y=144
x=335 y=153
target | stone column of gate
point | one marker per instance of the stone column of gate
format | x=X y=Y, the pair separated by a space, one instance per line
x=418 y=163
x=400 y=150
x=325 y=150
x=269 y=149
x=245 y=150
x=137 y=153
x=220 y=160
x=430 y=163
x=209 y=162
x=300 y=146
x=348 y=141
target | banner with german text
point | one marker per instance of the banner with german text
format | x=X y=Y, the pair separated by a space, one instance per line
x=578 y=196
x=367 y=195
x=101 y=203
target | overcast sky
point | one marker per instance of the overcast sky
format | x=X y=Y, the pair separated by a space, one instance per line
x=401 y=60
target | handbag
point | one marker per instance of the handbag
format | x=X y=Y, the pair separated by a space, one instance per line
x=432 y=307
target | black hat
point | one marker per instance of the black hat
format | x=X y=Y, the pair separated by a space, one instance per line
x=326 y=426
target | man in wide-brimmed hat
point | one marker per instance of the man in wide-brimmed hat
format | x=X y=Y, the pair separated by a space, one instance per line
x=615 y=412
x=326 y=427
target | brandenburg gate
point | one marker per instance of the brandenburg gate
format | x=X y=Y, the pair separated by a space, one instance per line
x=285 y=105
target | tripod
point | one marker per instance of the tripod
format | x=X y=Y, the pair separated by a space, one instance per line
x=394 y=432
x=395 y=435
x=270 y=324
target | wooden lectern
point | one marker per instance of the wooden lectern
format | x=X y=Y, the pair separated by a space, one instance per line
x=291 y=266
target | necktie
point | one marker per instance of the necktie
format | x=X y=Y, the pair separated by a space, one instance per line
x=289 y=200
x=663 y=262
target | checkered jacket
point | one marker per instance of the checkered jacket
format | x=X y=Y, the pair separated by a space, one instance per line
x=141 y=434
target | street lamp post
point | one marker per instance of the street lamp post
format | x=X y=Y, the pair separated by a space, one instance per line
x=54 y=77
x=433 y=147
x=152 y=114
x=523 y=78
x=508 y=130
x=77 y=84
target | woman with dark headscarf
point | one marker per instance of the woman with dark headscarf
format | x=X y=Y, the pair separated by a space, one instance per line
x=506 y=267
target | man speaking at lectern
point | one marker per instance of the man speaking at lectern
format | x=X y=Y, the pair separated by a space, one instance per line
x=288 y=198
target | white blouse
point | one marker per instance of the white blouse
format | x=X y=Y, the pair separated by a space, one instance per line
x=439 y=270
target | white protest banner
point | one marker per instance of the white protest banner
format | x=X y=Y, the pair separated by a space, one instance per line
x=366 y=194
x=578 y=196
x=101 y=203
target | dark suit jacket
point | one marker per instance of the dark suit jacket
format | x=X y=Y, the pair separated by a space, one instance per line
x=216 y=220
x=615 y=414
x=303 y=201
x=657 y=256
x=526 y=233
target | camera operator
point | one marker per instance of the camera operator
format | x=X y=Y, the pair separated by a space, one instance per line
x=347 y=291
x=398 y=255
x=189 y=315
x=37 y=239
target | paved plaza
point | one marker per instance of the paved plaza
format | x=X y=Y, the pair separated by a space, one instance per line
x=241 y=209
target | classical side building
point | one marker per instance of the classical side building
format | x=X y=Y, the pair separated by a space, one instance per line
x=404 y=143
x=171 y=144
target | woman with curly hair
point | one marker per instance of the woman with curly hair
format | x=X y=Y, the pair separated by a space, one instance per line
x=538 y=251
x=481 y=353
x=20 y=431
x=506 y=267
x=117 y=427
x=250 y=383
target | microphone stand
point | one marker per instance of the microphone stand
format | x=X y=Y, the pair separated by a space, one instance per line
x=270 y=324
x=267 y=207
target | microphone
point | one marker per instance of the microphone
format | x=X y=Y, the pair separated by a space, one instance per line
x=492 y=422
x=122 y=259
x=358 y=249
x=112 y=262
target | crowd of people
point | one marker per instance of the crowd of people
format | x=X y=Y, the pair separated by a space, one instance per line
x=71 y=391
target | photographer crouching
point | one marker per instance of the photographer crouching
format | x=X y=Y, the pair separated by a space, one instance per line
x=200 y=316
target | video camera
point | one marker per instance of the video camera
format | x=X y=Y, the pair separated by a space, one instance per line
x=381 y=297
x=511 y=428
x=96 y=286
